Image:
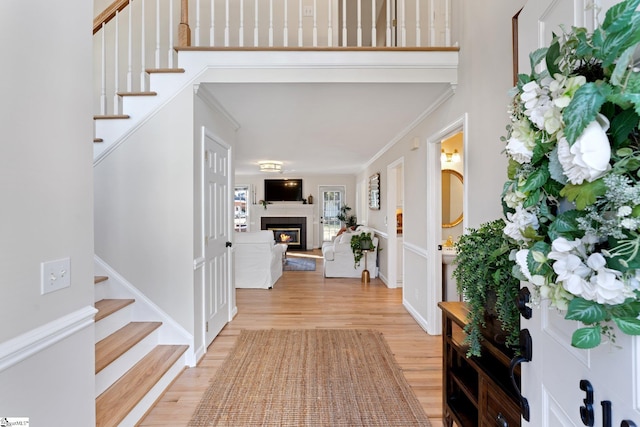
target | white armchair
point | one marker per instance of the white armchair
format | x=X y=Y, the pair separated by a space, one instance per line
x=338 y=257
x=258 y=260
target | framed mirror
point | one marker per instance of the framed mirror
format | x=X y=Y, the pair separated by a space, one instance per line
x=452 y=190
x=374 y=191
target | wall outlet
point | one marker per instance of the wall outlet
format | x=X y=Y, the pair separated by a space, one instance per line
x=55 y=275
x=307 y=11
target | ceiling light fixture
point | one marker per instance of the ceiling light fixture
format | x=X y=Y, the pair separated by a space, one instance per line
x=450 y=157
x=270 y=166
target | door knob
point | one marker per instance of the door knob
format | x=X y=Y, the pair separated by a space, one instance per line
x=524 y=296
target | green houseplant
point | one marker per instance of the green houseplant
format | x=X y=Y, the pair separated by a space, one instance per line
x=349 y=220
x=361 y=242
x=484 y=273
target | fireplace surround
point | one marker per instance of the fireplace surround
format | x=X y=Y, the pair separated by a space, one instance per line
x=290 y=230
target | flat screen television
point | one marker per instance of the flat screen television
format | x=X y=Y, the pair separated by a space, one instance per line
x=283 y=190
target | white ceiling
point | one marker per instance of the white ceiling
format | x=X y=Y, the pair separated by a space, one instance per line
x=320 y=128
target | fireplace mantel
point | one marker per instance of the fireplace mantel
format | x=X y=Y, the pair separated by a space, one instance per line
x=285 y=209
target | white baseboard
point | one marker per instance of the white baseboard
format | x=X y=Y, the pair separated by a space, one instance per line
x=19 y=348
x=416 y=316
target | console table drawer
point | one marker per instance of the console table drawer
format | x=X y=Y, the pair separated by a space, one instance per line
x=500 y=410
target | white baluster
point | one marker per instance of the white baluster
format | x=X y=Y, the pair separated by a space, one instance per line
x=143 y=50
x=241 y=29
x=389 y=23
x=418 y=31
x=103 y=74
x=315 y=24
x=255 y=26
x=447 y=23
x=170 y=27
x=300 y=33
x=197 y=29
x=285 y=30
x=226 y=23
x=157 y=34
x=359 y=29
x=432 y=23
x=403 y=28
x=374 y=34
x=212 y=24
x=330 y=25
x=270 y=23
x=130 y=50
x=116 y=73
x=344 y=23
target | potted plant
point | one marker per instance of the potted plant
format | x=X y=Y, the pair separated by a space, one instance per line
x=484 y=277
x=350 y=221
x=361 y=242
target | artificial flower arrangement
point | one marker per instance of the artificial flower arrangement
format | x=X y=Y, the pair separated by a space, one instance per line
x=572 y=199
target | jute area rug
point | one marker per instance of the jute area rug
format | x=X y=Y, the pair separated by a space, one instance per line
x=309 y=377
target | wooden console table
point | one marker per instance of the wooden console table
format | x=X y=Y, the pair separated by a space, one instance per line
x=476 y=391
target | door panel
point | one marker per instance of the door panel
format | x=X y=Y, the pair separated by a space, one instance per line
x=217 y=214
x=551 y=380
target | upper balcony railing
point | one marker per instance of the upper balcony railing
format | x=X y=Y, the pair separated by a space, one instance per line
x=133 y=36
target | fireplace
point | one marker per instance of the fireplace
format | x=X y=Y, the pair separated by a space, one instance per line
x=290 y=230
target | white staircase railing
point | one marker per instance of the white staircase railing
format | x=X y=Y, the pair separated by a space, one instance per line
x=133 y=36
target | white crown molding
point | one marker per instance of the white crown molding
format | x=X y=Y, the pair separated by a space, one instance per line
x=36 y=340
x=448 y=93
x=202 y=90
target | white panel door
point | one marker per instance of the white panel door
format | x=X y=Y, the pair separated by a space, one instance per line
x=217 y=228
x=565 y=386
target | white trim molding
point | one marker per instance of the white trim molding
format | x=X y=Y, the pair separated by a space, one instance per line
x=23 y=346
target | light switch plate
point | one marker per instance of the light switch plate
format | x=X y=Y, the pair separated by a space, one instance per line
x=55 y=275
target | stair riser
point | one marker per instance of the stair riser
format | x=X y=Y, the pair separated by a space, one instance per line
x=121 y=365
x=113 y=322
x=145 y=404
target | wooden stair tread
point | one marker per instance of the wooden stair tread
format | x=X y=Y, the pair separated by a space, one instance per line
x=99 y=279
x=106 y=307
x=117 y=401
x=111 y=117
x=137 y=93
x=118 y=343
x=164 y=70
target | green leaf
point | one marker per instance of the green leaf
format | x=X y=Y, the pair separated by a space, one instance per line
x=628 y=325
x=536 y=56
x=622 y=125
x=536 y=258
x=583 y=108
x=536 y=179
x=532 y=200
x=586 y=337
x=565 y=225
x=585 y=311
x=618 y=16
x=552 y=57
x=584 y=194
x=622 y=65
x=512 y=168
x=616 y=42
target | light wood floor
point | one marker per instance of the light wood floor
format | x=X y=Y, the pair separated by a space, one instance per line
x=308 y=300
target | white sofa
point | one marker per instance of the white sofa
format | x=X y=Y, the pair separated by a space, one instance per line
x=338 y=256
x=258 y=259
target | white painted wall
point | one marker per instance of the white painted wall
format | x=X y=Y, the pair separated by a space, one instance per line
x=485 y=76
x=47 y=207
x=144 y=218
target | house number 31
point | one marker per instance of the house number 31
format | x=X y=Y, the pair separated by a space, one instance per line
x=587 y=411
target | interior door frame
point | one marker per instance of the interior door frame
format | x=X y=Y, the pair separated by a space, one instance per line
x=434 y=216
x=392 y=230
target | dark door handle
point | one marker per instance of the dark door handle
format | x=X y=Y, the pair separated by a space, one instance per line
x=524 y=296
x=228 y=244
x=526 y=349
